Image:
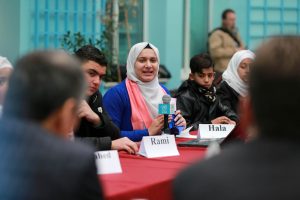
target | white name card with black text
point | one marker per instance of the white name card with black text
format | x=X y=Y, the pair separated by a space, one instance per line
x=108 y=162
x=158 y=146
x=214 y=131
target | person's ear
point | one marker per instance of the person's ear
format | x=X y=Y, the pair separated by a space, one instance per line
x=62 y=121
x=191 y=76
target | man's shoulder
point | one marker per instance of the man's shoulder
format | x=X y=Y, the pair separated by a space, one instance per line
x=255 y=162
x=31 y=136
x=216 y=31
x=235 y=159
x=201 y=177
x=46 y=166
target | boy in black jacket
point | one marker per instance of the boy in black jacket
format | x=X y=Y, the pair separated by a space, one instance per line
x=96 y=126
x=196 y=97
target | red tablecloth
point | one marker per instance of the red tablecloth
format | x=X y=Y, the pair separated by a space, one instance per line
x=147 y=178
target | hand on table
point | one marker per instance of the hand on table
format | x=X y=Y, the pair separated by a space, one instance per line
x=223 y=120
x=124 y=144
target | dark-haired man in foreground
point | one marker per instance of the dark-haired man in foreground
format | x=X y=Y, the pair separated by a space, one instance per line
x=37 y=161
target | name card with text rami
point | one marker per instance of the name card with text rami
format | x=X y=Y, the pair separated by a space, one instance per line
x=158 y=146
x=108 y=162
x=214 y=131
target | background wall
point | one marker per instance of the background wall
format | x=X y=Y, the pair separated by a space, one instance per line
x=10 y=28
x=165 y=25
x=166 y=32
x=198 y=26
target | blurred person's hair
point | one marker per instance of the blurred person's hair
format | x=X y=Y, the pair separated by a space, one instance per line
x=225 y=12
x=200 y=62
x=275 y=85
x=89 y=52
x=41 y=83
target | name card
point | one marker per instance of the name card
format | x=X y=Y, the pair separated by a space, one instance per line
x=214 y=131
x=167 y=109
x=108 y=162
x=158 y=146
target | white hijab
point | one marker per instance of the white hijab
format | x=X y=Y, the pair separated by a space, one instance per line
x=231 y=75
x=151 y=91
x=4 y=63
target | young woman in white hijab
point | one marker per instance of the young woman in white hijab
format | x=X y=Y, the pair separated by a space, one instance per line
x=5 y=71
x=133 y=104
x=235 y=79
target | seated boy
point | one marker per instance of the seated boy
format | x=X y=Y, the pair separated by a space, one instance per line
x=196 y=97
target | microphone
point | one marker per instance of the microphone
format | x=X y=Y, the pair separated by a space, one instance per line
x=166 y=100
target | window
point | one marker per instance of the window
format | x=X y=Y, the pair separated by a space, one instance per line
x=271 y=17
x=54 y=18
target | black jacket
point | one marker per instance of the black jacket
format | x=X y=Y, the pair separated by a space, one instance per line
x=36 y=164
x=196 y=108
x=101 y=136
x=263 y=169
x=228 y=96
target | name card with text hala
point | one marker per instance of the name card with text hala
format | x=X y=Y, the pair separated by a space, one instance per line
x=214 y=131
x=108 y=162
x=158 y=146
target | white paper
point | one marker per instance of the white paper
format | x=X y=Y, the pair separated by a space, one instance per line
x=108 y=162
x=158 y=146
x=186 y=133
x=214 y=131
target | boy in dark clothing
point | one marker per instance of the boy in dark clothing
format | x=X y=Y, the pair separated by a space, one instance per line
x=96 y=126
x=196 y=97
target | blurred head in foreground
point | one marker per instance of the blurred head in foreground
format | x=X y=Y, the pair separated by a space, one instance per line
x=274 y=86
x=46 y=87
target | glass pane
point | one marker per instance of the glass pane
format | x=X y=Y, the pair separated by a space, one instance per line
x=274 y=3
x=291 y=3
x=290 y=16
x=257 y=15
x=257 y=2
x=273 y=29
x=257 y=30
x=255 y=43
x=290 y=29
x=274 y=16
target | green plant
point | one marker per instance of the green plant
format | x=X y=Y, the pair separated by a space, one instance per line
x=73 y=41
x=105 y=42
